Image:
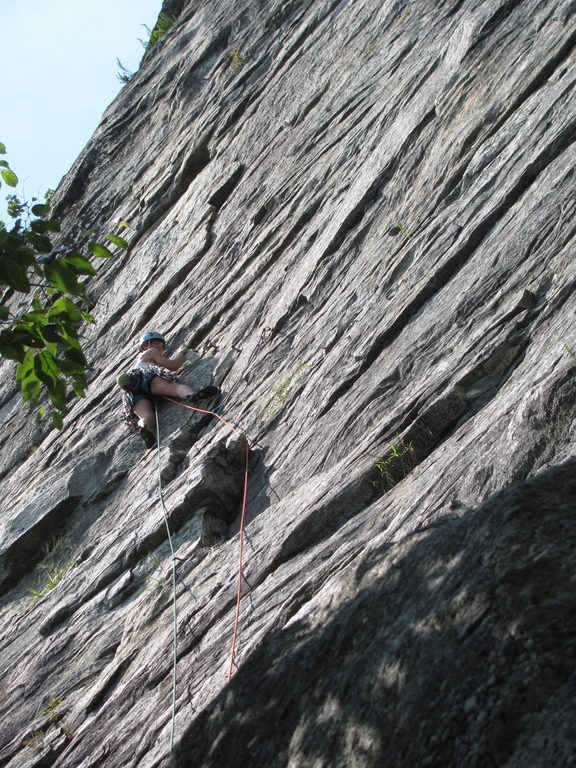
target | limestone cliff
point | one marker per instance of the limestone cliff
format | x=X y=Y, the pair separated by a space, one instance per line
x=388 y=188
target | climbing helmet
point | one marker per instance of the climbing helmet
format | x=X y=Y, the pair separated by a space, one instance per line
x=151 y=336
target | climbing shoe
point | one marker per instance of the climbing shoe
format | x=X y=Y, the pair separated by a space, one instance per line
x=148 y=436
x=203 y=394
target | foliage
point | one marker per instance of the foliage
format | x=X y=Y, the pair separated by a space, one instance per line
x=55 y=709
x=396 y=451
x=68 y=730
x=42 y=334
x=14 y=206
x=52 y=574
x=124 y=74
x=570 y=352
x=34 y=741
x=404 y=230
x=153 y=581
x=163 y=24
x=54 y=571
x=395 y=462
x=237 y=58
x=282 y=391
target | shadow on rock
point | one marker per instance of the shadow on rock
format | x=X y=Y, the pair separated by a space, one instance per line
x=452 y=647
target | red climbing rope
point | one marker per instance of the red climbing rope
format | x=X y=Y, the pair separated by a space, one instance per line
x=242 y=516
x=240 y=567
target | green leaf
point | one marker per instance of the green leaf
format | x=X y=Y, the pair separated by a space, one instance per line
x=61 y=277
x=2 y=148
x=78 y=264
x=28 y=335
x=70 y=369
x=9 y=177
x=96 y=249
x=50 y=333
x=46 y=369
x=4 y=164
x=38 y=226
x=16 y=274
x=4 y=313
x=30 y=388
x=75 y=356
x=119 y=241
x=124 y=224
x=40 y=242
x=40 y=210
x=52 y=225
x=57 y=420
x=64 y=306
x=26 y=365
x=11 y=350
x=34 y=317
x=78 y=387
x=58 y=395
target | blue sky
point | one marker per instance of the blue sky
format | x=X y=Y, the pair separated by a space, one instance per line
x=58 y=65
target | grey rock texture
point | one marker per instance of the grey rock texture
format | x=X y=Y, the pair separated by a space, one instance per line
x=389 y=189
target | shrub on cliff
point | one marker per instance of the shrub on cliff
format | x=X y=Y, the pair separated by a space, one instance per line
x=41 y=330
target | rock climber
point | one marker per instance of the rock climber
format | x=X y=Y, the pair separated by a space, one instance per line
x=151 y=376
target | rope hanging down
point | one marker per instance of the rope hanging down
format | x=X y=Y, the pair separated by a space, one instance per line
x=175 y=622
x=241 y=532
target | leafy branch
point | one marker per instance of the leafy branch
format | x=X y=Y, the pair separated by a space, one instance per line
x=44 y=339
x=163 y=24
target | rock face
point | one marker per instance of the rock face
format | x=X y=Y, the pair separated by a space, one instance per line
x=363 y=215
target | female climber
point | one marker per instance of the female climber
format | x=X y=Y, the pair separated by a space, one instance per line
x=151 y=376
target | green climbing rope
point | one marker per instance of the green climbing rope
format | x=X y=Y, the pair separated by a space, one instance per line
x=175 y=622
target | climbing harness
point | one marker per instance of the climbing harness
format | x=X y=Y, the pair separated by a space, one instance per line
x=136 y=386
x=241 y=549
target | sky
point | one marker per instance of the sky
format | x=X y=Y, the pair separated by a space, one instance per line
x=57 y=76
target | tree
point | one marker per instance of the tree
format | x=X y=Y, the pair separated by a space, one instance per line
x=44 y=336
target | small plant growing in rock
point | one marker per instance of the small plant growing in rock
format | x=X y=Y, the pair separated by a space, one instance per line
x=153 y=581
x=283 y=390
x=397 y=451
x=237 y=58
x=569 y=351
x=34 y=742
x=52 y=573
x=394 y=463
x=162 y=26
x=404 y=230
x=55 y=710
x=123 y=74
x=68 y=730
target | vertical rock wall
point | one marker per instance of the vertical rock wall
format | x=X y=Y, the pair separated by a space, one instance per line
x=388 y=188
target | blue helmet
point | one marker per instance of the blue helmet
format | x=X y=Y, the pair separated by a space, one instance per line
x=151 y=336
